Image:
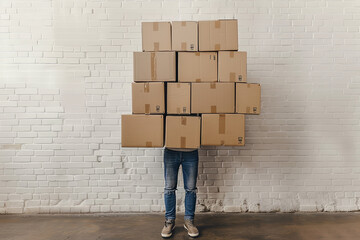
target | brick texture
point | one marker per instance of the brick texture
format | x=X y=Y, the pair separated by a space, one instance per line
x=65 y=74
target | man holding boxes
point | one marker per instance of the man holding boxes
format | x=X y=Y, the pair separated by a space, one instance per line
x=204 y=104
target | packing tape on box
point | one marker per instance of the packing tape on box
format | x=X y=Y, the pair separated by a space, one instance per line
x=156 y=46
x=183 y=120
x=147 y=108
x=146 y=87
x=182 y=142
x=198 y=80
x=231 y=54
x=148 y=144
x=183 y=46
x=183 y=23
x=155 y=26
x=213 y=85
x=153 y=66
x=217 y=46
x=221 y=123
x=232 y=77
x=197 y=54
x=217 y=24
x=213 y=109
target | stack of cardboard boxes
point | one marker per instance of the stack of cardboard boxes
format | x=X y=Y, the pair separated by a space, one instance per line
x=189 y=87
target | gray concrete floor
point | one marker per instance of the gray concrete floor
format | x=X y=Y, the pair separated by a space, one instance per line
x=254 y=226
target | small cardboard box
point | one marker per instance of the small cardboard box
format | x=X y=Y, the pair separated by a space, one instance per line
x=142 y=130
x=154 y=66
x=197 y=66
x=248 y=98
x=148 y=98
x=156 y=36
x=182 y=132
x=184 y=36
x=218 y=35
x=223 y=130
x=232 y=66
x=212 y=98
x=178 y=98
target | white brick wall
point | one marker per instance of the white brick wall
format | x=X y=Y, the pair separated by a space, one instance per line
x=65 y=74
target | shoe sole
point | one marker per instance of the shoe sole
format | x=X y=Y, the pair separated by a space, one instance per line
x=168 y=235
x=190 y=234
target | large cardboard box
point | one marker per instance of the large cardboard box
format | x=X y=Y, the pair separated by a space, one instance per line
x=232 y=66
x=142 y=130
x=182 y=132
x=213 y=98
x=223 y=130
x=184 y=36
x=178 y=98
x=156 y=36
x=154 y=66
x=197 y=66
x=218 y=35
x=248 y=98
x=148 y=98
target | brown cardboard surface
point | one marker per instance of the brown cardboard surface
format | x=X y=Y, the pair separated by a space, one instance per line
x=156 y=36
x=148 y=98
x=154 y=66
x=223 y=130
x=232 y=66
x=197 y=66
x=212 y=98
x=178 y=98
x=184 y=36
x=182 y=132
x=218 y=35
x=142 y=130
x=248 y=98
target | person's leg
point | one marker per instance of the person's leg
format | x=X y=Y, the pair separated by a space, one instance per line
x=190 y=172
x=171 y=168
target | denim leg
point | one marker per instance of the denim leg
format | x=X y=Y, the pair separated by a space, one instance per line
x=171 y=168
x=190 y=173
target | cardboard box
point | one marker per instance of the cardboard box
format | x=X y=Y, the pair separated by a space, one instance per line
x=218 y=35
x=223 y=130
x=154 y=66
x=197 y=67
x=178 y=98
x=182 y=132
x=212 y=98
x=248 y=98
x=232 y=66
x=142 y=130
x=156 y=36
x=184 y=36
x=148 y=98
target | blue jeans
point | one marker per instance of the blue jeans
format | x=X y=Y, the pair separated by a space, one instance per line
x=189 y=162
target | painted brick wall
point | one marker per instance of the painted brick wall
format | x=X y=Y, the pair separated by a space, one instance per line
x=65 y=74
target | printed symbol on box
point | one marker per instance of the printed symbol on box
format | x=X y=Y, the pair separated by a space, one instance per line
x=157 y=108
x=254 y=109
x=240 y=139
x=214 y=57
x=240 y=78
x=184 y=109
x=192 y=46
